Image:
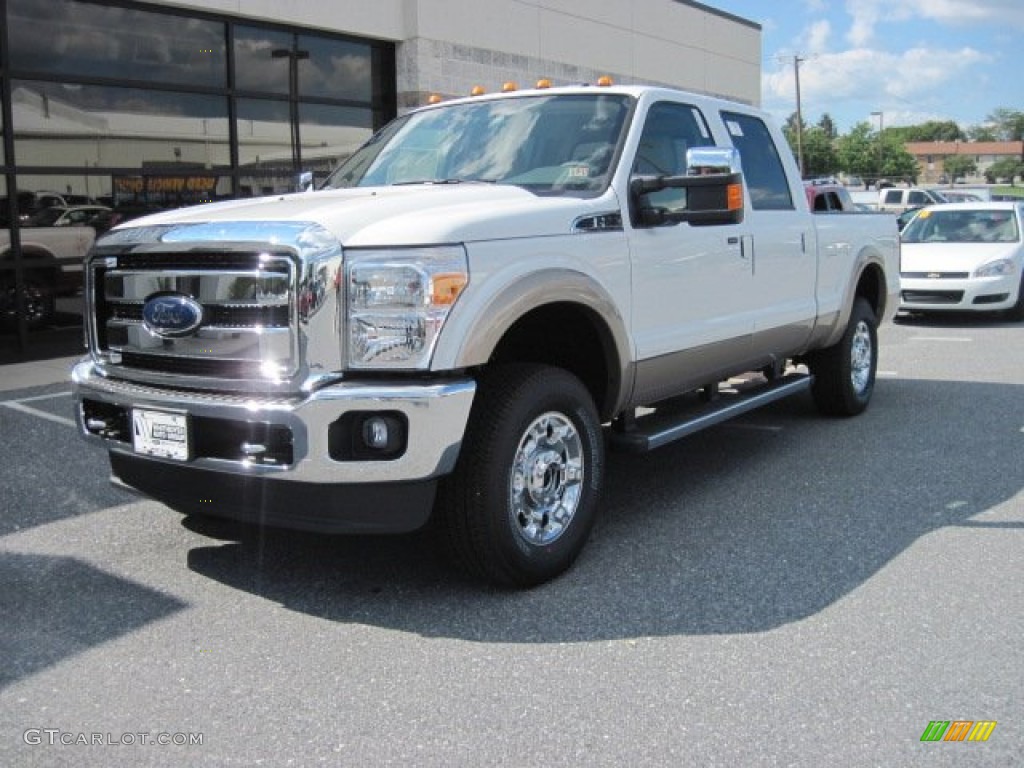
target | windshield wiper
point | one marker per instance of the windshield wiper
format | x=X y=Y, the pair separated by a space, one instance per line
x=444 y=181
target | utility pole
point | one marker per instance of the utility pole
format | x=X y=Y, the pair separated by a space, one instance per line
x=797 y=61
x=881 y=128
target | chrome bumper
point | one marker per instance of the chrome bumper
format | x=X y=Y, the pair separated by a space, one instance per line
x=436 y=414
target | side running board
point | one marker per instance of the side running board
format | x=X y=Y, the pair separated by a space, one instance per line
x=684 y=416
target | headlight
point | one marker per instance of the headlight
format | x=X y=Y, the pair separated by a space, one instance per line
x=998 y=268
x=398 y=301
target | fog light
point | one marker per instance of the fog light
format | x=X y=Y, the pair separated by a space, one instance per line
x=368 y=436
x=375 y=432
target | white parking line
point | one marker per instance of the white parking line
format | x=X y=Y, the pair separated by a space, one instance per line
x=941 y=339
x=19 y=405
x=50 y=396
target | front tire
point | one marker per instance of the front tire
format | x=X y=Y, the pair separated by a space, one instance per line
x=522 y=500
x=37 y=295
x=844 y=374
x=1016 y=312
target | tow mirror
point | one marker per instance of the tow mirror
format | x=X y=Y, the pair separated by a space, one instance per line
x=710 y=193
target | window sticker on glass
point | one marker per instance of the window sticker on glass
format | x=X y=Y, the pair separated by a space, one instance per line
x=734 y=128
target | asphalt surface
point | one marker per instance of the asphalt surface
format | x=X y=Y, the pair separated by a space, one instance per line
x=782 y=590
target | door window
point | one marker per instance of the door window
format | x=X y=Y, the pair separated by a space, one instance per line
x=762 y=164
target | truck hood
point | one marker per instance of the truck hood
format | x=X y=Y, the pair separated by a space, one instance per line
x=396 y=216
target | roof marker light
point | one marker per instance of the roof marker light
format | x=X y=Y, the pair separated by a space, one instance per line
x=478 y=90
x=544 y=83
x=604 y=81
x=435 y=98
x=509 y=86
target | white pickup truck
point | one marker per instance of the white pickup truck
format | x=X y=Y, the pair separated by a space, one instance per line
x=478 y=301
x=898 y=199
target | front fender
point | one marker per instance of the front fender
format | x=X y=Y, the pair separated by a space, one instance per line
x=475 y=328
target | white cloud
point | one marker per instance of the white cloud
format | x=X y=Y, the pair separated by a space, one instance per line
x=864 y=15
x=959 y=12
x=873 y=80
x=818 y=35
x=867 y=15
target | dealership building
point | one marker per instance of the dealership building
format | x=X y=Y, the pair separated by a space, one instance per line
x=146 y=106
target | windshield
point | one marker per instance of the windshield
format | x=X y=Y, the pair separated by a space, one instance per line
x=959 y=226
x=552 y=144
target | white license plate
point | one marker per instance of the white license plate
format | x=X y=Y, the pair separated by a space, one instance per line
x=159 y=433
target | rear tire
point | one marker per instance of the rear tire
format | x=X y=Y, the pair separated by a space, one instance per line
x=844 y=374
x=522 y=500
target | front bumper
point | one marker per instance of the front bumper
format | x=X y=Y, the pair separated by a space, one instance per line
x=308 y=477
x=979 y=294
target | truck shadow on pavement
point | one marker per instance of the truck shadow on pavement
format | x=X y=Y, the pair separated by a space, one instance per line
x=742 y=528
x=56 y=607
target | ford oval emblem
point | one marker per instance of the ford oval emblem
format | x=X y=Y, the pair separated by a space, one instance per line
x=172 y=315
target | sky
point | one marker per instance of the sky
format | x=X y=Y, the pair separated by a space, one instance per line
x=911 y=60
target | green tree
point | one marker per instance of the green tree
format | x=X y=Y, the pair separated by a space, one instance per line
x=959 y=166
x=858 y=152
x=790 y=131
x=1006 y=169
x=933 y=130
x=828 y=125
x=899 y=164
x=820 y=158
x=982 y=133
x=1008 y=124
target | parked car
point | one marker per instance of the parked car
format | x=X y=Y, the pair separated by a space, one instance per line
x=906 y=217
x=961 y=196
x=68 y=216
x=964 y=257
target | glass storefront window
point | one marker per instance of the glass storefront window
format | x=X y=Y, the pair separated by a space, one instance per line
x=120 y=109
x=90 y=126
x=327 y=68
x=72 y=38
x=264 y=146
x=336 y=69
x=329 y=134
x=256 y=67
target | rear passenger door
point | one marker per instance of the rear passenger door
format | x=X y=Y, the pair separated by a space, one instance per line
x=784 y=253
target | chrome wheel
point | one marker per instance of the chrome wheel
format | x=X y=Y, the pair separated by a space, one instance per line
x=844 y=374
x=861 y=358
x=521 y=503
x=546 y=479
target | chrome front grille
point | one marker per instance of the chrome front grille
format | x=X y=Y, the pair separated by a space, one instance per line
x=248 y=306
x=249 y=326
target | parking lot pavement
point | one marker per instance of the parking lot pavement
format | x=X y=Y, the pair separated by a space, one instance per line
x=20 y=376
x=782 y=590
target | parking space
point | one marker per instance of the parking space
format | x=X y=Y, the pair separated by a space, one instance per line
x=784 y=590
